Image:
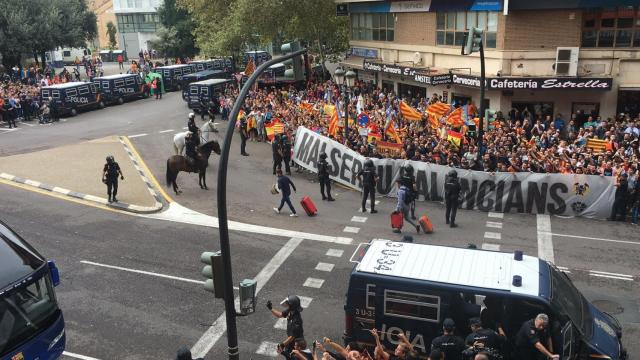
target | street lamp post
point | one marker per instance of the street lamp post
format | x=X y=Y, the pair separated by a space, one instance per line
x=229 y=303
x=345 y=81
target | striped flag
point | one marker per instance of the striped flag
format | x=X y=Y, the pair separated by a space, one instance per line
x=306 y=106
x=597 y=145
x=333 y=124
x=454 y=137
x=438 y=109
x=268 y=128
x=433 y=121
x=372 y=136
x=408 y=112
x=278 y=126
x=392 y=133
x=455 y=118
x=251 y=67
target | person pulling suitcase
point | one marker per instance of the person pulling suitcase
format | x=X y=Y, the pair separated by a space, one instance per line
x=285 y=184
x=408 y=179
x=403 y=207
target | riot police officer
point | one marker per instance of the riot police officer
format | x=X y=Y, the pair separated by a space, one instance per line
x=277 y=153
x=408 y=179
x=285 y=148
x=244 y=135
x=110 y=174
x=452 y=346
x=294 y=322
x=451 y=194
x=482 y=339
x=323 y=177
x=195 y=131
x=369 y=178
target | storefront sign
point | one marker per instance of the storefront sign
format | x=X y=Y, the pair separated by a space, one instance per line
x=556 y=194
x=365 y=53
x=513 y=83
x=410 y=6
x=388 y=68
x=342 y=10
x=433 y=79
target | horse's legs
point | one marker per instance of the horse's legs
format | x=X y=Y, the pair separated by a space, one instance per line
x=204 y=178
x=176 y=189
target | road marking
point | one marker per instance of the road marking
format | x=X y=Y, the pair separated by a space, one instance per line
x=496 y=215
x=545 y=240
x=267 y=348
x=611 y=277
x=596 y=239
x=6 y=131
x=165 y=131
x=492 y=247
x=305 y=301
x=492 y=235
x=359 y=219
x=137 y=135
x=334 y=252
x=324 y=267
x=493 y=224
x=24 y=123
x=610 y=273
x=281 y=324
x=33 y=183
x=61 y=190
x=351 y=229
x=375 y=203
x=313 y=283
x=219 y=327
x=78 y=356
x=185 y=128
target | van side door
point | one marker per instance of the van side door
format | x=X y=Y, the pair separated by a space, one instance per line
x=568 y=339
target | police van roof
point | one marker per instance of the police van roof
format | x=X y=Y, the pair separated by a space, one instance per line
x=17 y=258
x=212 y=82
x=450 y=265
x=204 y=73
x=65 y=85
x=116 y=76
x=176 y=66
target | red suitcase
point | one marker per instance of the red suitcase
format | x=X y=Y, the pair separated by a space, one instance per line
x=397 y=220
x=426 y=224
x=308 y=206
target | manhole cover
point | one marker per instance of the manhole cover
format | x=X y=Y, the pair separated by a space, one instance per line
x=608 y=306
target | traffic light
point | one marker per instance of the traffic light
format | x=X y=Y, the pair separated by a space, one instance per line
x=296 y=72
x=473 y=41
x=213 y=272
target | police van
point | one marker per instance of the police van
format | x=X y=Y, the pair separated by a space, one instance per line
x=73 y=97
x=411 y=288
x=201 y=92
x=121 y=87
x=200 y=76
x=225 y=64
x=172 y=74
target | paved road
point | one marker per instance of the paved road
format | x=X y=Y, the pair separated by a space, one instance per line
x=149 y=316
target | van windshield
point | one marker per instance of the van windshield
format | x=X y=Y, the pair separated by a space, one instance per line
x=568 y=301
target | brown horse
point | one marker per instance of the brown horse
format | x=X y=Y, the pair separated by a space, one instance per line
x=177 y=163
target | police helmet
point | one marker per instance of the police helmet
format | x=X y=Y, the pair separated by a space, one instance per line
x=110 y=158
x=323 y=156
x=408 y=169
x=192 y=116
x=293 y=301
x=368 y=163
x=453 y=174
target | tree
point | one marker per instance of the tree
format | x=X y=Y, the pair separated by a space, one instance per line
x=111 y=33
x=176 y=35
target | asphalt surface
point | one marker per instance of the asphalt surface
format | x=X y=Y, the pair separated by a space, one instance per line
x=117 y=314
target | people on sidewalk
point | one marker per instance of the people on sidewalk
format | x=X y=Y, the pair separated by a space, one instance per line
x=110 y=174
x=284 y=185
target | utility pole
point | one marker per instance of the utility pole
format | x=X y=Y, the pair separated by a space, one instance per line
x=474 y=42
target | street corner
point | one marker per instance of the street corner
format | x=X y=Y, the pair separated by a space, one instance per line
x=74 y=172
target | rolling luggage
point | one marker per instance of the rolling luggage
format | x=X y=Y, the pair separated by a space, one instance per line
x=426 y=224
x=308 y=206
x=397 y=220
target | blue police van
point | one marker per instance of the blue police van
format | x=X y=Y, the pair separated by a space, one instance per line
x=225 y=64
x=31 y=323
x=121 y=87
x=72 y=97
x=201 y=92
x=411 y=288
x=200 y=76
x=172 y=75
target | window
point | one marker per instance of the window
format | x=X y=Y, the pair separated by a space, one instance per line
x=105 y=84
x=451 y=27
x=66 y=53
x=72 y=92
x=193 y=90
x=167 y=72
x=204 y=91
x=83 y=90
x=376 y=26
x=130 y=81
x=412 y=306
x=45 y=93
x=93 y=88
x=118 y=83
x=55 y=94
x=613 y=27
x=370 y=302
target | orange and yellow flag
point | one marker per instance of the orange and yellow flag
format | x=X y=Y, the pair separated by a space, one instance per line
x=438 y=109
x=392 y=133
x=250 y=68
x=455 y=118
x=408 y=112
x=333 y=124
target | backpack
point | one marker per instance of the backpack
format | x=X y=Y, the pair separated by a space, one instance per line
x=408 y=196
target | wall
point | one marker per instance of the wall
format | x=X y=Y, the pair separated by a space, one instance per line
x=104 y=13
x=530 y=30
x=416 y=28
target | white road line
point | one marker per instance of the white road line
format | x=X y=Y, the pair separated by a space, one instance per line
x=492 y=235
x=610 y=273
x=137 y=135
x=375 y=202
x=496 y=215
x=324 y=267
x=32 y=183
x=334 y=252
x=597 y=239
x=165 y=131
x=359 y=219
x=305 y=301
x=281 y=324
x=351 y=229
x=492 y=247
x=6 y=131
x=493 y=224
x=141 y=272
x=545 y=240
x=60 y=190
x=611 y=277
x=78 y=356
x=219 y=327
x=313 y=283
x=267 y=348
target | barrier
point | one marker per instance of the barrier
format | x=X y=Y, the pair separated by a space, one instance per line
x=589 y=196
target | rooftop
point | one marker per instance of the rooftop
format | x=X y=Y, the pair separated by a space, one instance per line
x=212 y=82
x=65 y=85
x=116 y=76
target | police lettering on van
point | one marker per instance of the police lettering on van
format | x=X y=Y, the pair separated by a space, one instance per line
x=72 y=97
x=411 y=288
x=121 y=87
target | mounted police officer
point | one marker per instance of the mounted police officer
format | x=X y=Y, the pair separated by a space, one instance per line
x=193 y=129
x=294 y=322
x=408 y=179
x=369 y=178
x=277 y=153
x=110 y=174
x=191 y=149
x=451 y=197
x=323 y=177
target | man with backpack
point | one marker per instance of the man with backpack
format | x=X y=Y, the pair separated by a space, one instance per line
x=404 y=205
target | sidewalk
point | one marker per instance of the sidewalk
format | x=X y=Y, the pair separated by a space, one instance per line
x=76 y=171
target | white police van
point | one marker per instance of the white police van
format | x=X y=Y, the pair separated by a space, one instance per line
x=120 y=87
x=69 y=98
x=411 y=288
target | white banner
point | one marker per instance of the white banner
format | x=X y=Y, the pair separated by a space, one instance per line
x=589 y=196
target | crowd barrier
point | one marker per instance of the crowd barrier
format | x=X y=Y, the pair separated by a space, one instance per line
x=588 y=196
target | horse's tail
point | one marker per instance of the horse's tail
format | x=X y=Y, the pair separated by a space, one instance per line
x=170 y=176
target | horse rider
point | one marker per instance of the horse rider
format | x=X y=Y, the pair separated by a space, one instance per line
x=191 y=152
x=193 y=129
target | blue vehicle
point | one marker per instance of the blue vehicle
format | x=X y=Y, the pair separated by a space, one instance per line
x=31 y=323
x=225 y=64
x=172 y=75
x=411 y=288
x=200 y=76
x=73 y=97
x=202 y=92
x=121 y=87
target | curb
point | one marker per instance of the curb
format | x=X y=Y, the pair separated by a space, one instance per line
x=144 y=177
x=119 y=205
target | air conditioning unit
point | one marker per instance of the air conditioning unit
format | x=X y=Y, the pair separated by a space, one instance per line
x=417 y=58
x=567 y=61
x=389 y=56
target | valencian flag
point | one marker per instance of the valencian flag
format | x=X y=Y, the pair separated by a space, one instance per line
x=597 y=145
x=454 y=138
x=306 y=106
x=363 y=119
x=274 y=127
x=333 y=124
x=408 y=112
x=392 y=133
x=455 y=118
x=251 y=67
x=438 y=109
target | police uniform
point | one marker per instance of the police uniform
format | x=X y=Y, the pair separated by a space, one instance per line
x=285 y=147
x=487 y=337
x=111 y=170
x=277 y=153
x=244 y=134
x=452 y=346
x=323 y=177
x=451 y=192
x=195 y=132
x=191 y=152
x=294 y=328
x=526 y=339
x=368 y=185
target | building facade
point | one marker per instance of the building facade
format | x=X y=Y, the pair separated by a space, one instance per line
x=104 y=13
x=137 y=22
x=548 y=57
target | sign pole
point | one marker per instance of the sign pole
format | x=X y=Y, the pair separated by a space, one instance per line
x=482 y=87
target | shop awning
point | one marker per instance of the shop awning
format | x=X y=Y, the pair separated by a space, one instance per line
x=353 y=62
x=568 y=4
x=629 y=87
